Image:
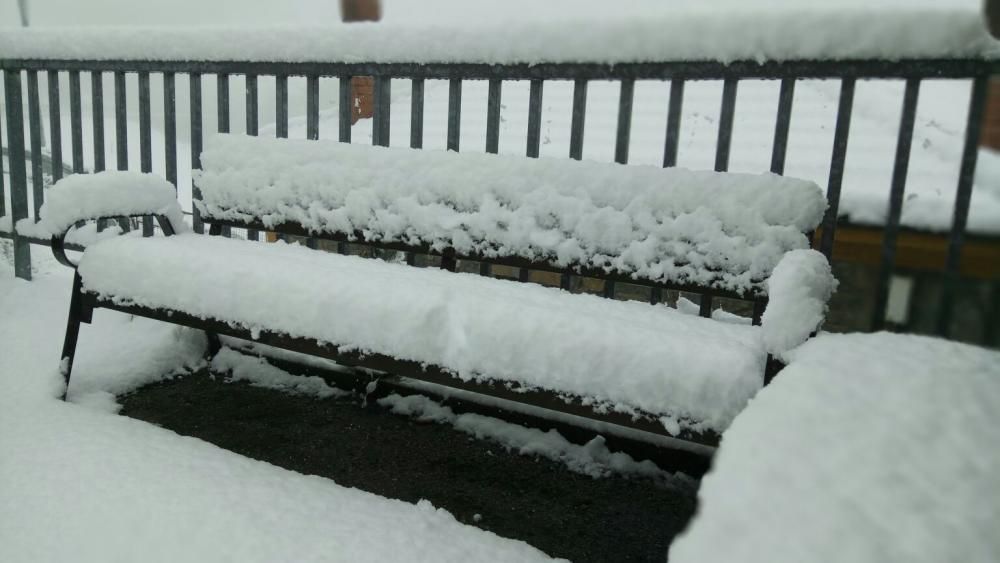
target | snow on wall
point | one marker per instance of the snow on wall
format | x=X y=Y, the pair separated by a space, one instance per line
x=104 y=194
x=800 y=288
x=695 y=31
x=578 y=344
x=703 y=228
x=866 y=448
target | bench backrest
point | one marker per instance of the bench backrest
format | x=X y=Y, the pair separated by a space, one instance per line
x=707 y=232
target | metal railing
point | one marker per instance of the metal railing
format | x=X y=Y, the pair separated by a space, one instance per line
x=21 y=76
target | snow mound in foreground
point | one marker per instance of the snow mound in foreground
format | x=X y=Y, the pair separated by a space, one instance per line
x=866 y=448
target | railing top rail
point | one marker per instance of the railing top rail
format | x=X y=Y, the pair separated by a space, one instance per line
x=748 y=31
x=692 y=70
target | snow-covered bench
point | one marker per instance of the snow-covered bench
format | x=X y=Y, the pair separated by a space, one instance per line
x=651 y=367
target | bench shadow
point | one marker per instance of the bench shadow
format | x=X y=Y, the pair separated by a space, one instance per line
x=538 y=501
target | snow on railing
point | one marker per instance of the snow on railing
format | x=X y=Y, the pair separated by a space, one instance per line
x=849 y=48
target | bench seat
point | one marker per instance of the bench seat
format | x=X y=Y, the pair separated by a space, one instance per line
x=695 y=373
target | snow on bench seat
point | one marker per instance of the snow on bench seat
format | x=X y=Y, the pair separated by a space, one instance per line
x=867 y=448
x=710 y=229
x=625 y=355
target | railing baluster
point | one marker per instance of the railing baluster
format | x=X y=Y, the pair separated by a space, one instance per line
x=726 y=114
x=222 y=119
x=196 y=144
x=534 y=118
x=3 y=198
x=759 y=305
x=312 y=107
x=121 y=123
x=963 y=196
x=454 y=139
x=579 y=119
x=576 y=132
x=416 y=132
x=840 y=136
x=76 y=121
x=992 y=318
x=281 y=105
x=121 y=133
x=674 y=107
x=18 y=173
x=454 y=113
x=222 y=102
x=252 y=103
x=781 y=125
x=35 y=134
x=345 y=110
x=655 y=295
x=624 y=130
x=493 y=97
x=534 y=138
x=898 y=189
x=252 y=123
x=380 y=119
x=622 y=135
x=493 y=116
x=170 y=127
x=97 y=113
x=670 y=149
x=145 y=140
x=705 y=306
x=417 y=113
x=55 y=127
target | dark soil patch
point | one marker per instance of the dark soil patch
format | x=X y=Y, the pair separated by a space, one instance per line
x=541 y=502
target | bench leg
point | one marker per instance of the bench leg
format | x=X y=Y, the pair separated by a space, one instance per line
x=77 y=315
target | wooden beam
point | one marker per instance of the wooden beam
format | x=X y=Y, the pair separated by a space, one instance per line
x=919 y=251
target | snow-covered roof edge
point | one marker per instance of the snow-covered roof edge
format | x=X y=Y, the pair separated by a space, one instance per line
x=688 y=35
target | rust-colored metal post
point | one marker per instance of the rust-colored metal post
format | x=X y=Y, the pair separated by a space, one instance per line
x=362 y=87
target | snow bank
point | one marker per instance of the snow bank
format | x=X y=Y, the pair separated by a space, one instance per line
x=800 y=288
x=105 y=194
x=867 y=448
x=82 y=485
x=690 y=30
x=698 y=370
x=696 y=227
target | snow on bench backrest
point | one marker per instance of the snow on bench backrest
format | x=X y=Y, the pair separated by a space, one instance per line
x=709 y=229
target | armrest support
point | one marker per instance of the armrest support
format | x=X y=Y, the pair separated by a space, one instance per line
x=798 y=292
x=58 y=242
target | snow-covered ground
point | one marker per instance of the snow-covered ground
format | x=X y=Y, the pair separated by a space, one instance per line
x=79 y=483
x=867 y=448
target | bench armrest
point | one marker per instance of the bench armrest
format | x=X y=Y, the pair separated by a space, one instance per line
x=105 y=195
x=798 y=292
